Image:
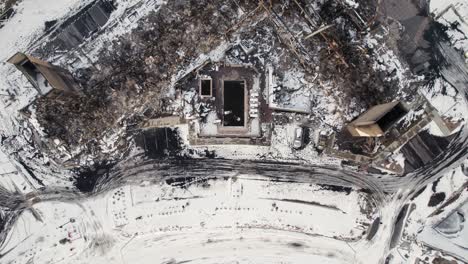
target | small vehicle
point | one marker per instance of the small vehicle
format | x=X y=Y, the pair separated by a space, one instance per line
x=322 y=140
x=298 y=138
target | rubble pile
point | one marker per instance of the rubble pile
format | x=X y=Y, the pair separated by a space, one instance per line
x=356 y=56
x=325 y=57
x=135 y=71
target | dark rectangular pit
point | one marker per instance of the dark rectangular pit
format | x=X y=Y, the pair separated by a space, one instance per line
x=159 y=142
x=234 y=103
x=393 y=116
x=205 y=87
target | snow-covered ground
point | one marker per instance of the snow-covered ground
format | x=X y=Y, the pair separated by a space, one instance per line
x=281 y=149
x=453 y=12
x=7 y=172
x=423 y=233
x=242 y=218
x=451 y=235
x=450 y=104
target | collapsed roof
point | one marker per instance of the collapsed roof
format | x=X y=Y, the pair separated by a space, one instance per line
x=378 y=119
x=44 y=76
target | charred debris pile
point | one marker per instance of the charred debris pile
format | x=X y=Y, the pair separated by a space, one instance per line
x=133 y=73
x=129 y=81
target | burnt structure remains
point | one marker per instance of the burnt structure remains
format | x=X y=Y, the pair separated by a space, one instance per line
x=243 y=78
x=44 y=76
x=158 y=142
x=72 y=32
x=376 y=121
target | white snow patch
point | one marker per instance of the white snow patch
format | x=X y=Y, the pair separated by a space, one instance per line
x=147 y=223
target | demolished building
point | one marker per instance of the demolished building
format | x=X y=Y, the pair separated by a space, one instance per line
x=229 y=95
x=43 y=76
x=376 y=121
x=75 y=30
